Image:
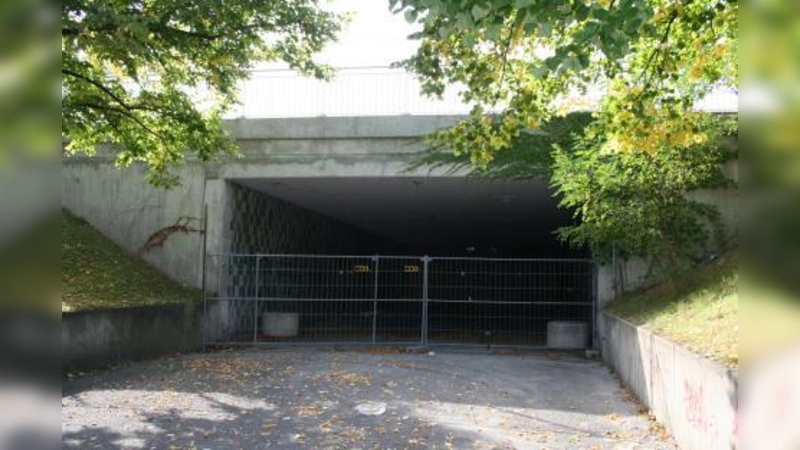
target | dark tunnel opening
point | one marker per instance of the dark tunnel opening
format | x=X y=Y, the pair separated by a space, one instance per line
x=404 y=260
x=441 y=216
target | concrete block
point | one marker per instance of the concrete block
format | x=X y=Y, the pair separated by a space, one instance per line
x=276 y=324
x=567 y=335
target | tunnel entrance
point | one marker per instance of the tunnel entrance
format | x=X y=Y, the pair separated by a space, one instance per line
x=399 y=261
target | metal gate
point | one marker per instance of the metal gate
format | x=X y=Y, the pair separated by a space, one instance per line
x=394 y=300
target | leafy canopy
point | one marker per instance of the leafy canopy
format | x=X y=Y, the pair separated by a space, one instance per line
x=640 y=203
x=132 y=71
x=650 y=59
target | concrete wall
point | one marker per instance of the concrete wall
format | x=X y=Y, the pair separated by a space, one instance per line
x=694 y=398
x=725 y=200
x=121 y=205
x=402 y=126
x=96 y=339
x=631 y=275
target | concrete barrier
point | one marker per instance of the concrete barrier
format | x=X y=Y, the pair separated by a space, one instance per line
x=567 y=335
x=693 y=397
x=96 y=339
x=280 y=324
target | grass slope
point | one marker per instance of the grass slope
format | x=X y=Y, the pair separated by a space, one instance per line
x=29 y=267
x=98 y=274
x=700 y=309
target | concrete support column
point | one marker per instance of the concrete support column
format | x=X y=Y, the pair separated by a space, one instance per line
x=218 y=239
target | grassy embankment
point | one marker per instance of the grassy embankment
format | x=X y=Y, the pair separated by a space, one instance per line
x=98 y=274
x=699 y=309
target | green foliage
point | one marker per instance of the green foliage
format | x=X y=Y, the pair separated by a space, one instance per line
x=637 y=203
x=133 y=71
x=528 y=58
x=530 y=155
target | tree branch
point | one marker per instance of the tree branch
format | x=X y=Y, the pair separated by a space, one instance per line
x=660 y=46
x=125 y=112
x=507 y=48
x=161 y=27
x=168 y=29
x=98 y=85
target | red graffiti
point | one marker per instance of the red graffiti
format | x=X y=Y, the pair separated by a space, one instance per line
x=656 y=376
x=695 y=409
x=158 y=238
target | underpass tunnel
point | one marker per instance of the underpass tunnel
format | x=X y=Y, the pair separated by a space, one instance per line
x=482 y=254
x=448 y=216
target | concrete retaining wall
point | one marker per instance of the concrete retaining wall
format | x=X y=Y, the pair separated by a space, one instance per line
x=694 y=398
x=126 y=209
x=96 y=339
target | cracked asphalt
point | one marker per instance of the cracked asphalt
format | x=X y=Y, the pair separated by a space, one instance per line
x=295 y=398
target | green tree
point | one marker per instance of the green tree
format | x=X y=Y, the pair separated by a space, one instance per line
x=650 y=59
x=522 y=64
x=133 y=71
x=639 y=203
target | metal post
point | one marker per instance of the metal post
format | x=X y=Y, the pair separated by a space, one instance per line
x=203 y=268
x=375 y=303
x=425 y=270
x=224 y=322
x=255 y=302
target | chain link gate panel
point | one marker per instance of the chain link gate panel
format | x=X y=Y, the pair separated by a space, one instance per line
x=393 y=300
x=506 y=302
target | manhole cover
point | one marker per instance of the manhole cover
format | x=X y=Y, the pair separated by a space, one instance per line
x=371 y=408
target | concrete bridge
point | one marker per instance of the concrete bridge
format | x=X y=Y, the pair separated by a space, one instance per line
x=327 y=185
x=314 y=185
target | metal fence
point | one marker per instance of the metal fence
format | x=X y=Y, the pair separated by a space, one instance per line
x=394 y=300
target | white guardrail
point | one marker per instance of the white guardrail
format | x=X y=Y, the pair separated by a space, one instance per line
x=373 y=91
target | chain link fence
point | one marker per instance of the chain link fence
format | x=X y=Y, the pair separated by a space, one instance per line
x=394 y=300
